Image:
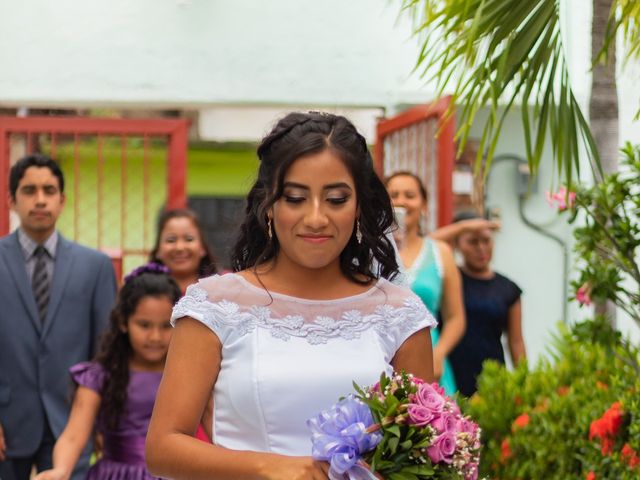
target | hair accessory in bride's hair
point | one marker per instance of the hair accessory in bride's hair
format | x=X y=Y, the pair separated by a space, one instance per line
x=151 y=267
x=318 y=112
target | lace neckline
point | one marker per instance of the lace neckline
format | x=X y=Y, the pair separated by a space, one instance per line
x=291 y=298
x=225 y=316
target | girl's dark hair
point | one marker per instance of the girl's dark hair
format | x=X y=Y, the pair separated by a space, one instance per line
x=295 y=136
x=406 y=173
x=115 y=348
x=208 y=262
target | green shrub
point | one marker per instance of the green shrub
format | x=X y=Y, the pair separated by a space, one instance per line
x=536 y=423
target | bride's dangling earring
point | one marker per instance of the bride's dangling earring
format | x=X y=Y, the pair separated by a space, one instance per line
x=358 y=233
x=269 y=231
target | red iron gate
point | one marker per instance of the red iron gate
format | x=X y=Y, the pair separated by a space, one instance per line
x=118 y=173
x=421 y=141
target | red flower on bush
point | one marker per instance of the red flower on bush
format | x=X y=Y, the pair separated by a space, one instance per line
x=520 y=422
x=591 y=476
x=607 y=427
x=629 y=456
x=563 y=390
x=607 y=446
x=613 y=419
x=505 y=450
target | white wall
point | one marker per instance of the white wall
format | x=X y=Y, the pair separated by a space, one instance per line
x=249 y=123
x=204 y=52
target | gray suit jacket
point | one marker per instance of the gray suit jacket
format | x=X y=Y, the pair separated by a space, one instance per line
x=34 y=359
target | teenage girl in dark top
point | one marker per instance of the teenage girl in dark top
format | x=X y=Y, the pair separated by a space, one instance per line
x=492 y=305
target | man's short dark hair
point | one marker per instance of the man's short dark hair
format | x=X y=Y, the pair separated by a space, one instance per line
x=33 y=160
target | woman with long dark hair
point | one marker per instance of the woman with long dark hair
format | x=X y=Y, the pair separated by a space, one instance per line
x=309 y=310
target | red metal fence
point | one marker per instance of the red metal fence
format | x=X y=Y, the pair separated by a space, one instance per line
x=118 y=172
x=421 y=140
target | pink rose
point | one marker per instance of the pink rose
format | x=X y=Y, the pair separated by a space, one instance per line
x=446 y=423
x=419 y=415
x=428 y=397
x=454 y=408
x=442 y=448
x=469 y=427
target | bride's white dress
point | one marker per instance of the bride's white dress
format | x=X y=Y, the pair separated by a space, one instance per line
x=284 y=359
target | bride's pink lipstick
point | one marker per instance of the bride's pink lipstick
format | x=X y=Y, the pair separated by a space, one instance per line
x=315 y=238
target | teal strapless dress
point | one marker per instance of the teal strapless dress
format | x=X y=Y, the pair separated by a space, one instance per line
x=425 y=279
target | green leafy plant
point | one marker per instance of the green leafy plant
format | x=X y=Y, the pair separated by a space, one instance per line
x=541 y=423
x=608 y=237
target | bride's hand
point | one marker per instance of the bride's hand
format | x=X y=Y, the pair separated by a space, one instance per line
x=295 y=468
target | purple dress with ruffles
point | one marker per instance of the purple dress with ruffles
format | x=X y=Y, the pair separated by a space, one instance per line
x=123 y=456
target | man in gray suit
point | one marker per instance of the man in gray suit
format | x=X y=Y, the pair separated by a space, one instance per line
x=55 y=298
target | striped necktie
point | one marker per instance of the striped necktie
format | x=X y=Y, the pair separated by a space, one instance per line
x=40 y=282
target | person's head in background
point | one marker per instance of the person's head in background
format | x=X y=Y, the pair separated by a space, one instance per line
x=181 y=246
x=139 y=332
x=316 y=175
x=407 y=191
x=36 y=194
x=475 y=246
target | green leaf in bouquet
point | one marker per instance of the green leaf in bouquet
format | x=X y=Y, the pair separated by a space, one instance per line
x=392 y=404
x=393 y=445
x=374 y=461
x=421 y=470
x=359 y=390
x=393 y=429
x=425 y=442
x=402 y=476
x=384 y=381
x=406 y=445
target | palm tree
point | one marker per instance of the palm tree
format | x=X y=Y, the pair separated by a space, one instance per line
x=503 y=53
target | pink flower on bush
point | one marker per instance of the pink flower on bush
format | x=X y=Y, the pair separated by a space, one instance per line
x=582 y=296
x=561 y=200
x=442 y=448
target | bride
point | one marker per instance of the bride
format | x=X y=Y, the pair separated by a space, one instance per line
x=310 y=310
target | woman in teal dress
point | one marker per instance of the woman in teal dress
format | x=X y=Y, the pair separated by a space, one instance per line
x=431 y=272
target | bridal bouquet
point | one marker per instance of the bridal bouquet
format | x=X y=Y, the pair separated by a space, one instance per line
x=401 y=428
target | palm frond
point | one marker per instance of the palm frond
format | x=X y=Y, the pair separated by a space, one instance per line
x=498 y=54
x=624 y=19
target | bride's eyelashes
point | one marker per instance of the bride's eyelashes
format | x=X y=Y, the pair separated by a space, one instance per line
x=293 y=199
x=338 y=200
x=332 y=200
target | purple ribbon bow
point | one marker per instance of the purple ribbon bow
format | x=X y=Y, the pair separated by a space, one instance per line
x=339 y=436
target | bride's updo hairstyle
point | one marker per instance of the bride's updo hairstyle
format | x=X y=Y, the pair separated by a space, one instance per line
x=295 y=136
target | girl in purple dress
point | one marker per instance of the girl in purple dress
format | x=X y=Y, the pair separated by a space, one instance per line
x=117 y=390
